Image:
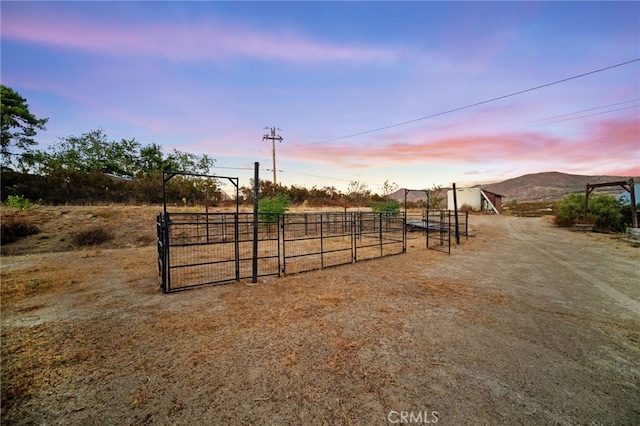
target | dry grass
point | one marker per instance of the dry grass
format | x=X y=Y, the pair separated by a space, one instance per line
x=34 y=358
x=91 y=236
x=88 y=338
x=15 y=227
x=45 y=277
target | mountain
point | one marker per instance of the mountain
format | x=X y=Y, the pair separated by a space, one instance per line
x=551 y=186
x=546 y=186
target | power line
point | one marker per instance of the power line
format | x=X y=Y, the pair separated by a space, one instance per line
x=328 y=177
x=589 y=115
x=585 y=110
x=297 y=173
x=472 y=105
x=233 y=168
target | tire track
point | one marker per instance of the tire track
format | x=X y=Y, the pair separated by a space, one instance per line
x=541 y=243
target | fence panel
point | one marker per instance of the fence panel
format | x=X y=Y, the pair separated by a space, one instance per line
x=202 y=249
x=196 y=249
x=439 y=230
x=268 y=245
x=316 y=240
x=378 y=235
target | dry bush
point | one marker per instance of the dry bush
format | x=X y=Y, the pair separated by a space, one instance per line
x=15 y=228
x=91 y=236
x=465 y=208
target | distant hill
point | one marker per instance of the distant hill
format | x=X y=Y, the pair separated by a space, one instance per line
x=546 y=186
x=551 y=186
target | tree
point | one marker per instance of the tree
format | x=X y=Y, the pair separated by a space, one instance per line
x=604 y=212
x=187 y=162
x=18 y=125
x=358 y=191
x=151 y=159
x=436 y=199
x=391 y=207
x=91 y=152
x=388 y=189
x=270 y=208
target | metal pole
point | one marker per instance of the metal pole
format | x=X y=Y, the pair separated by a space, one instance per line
x=632 y=199
x=206 y=209
x=404 y=227
x=586 y=204
x=455 y=212
x=256 y=194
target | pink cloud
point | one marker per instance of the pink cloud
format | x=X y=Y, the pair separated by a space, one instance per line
x=182 y=42
x=605 y=145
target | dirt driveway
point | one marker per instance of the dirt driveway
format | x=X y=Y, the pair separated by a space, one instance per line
x=523 y=324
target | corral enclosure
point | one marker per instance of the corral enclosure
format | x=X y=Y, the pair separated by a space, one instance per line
x=213 y=248
x=202 y=248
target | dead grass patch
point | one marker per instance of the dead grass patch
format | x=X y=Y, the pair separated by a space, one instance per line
x=91 y=236
x=32 y=358
x=16 y=227
x=47 y=277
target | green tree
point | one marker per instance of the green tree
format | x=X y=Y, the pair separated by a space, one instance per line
x=605 y=212
x=270 y=208
x=18 y=126
x=151 y=159
x=608 y=213
x=392 y=207
x=90 y=152
x=570 y=209
x=187 y=162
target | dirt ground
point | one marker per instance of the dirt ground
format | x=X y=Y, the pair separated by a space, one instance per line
x=525 y=323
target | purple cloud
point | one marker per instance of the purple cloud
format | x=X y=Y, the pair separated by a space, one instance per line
x=208 y=41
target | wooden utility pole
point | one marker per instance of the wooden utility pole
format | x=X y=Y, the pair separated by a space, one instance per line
x=273 y=138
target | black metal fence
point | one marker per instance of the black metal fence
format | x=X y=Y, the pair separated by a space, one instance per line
x=439 y=227
x=319 y=240
x=439 y=230
x=196 y=249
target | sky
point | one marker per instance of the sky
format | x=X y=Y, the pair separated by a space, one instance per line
x=403 y=92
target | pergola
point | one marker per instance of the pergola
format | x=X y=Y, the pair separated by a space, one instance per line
x=627 y=185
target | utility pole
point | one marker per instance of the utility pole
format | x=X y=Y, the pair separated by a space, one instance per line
x=273 y=138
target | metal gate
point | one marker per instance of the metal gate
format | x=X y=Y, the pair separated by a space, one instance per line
x=196 y=249
x=439 y=230
x=319 y=240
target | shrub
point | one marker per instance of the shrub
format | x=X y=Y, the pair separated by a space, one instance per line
x=18 y=202
x=12 y=229
x=271 y=207
x=608 y=213
x=604 y=212
x=91 y=237
x=392 y=207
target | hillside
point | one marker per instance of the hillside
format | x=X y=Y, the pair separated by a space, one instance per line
x=550 y=186
x=546 y=186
